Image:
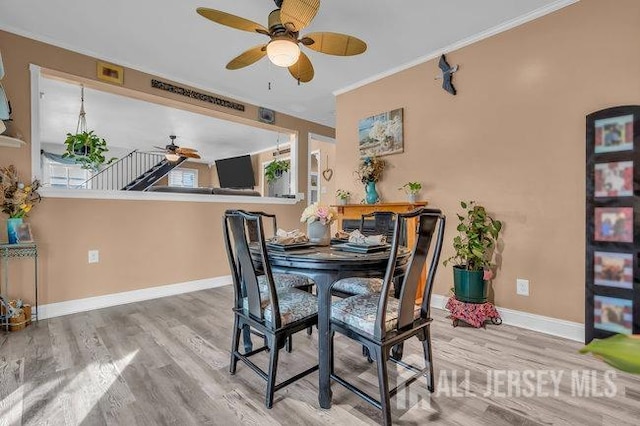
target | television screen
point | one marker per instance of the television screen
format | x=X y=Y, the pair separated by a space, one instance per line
x=236 y=172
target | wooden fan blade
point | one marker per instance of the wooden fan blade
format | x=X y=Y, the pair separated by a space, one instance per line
x=182 y=149
x=303 y=69
x=248 y=57
x=232 y=21
x=334 y=44
x=298 y=13
x=189 y=155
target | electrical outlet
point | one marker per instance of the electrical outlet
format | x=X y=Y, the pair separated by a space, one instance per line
x=94 y=256
x=522 y=287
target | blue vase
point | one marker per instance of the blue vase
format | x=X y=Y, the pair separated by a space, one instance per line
x=13 y=223
x=371 y=196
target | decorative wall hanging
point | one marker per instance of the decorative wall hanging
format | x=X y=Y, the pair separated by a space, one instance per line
x=381 y=134
x=110 y=73
x=171 y=88
x=266 y=115
x=613 y=223
x=327 y=173
x=446 y=75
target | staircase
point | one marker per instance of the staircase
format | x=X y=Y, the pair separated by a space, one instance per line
x=135 y=171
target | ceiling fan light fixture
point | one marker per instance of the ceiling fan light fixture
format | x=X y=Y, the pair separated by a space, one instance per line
x=283 y=52
x=172 y=157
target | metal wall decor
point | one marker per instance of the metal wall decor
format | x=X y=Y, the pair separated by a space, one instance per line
x=613 y=223
x=157 y=84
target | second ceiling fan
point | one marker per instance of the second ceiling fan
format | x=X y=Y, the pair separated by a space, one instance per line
x=285 y=24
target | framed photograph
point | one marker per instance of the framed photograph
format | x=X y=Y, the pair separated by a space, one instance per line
x=266 y=115
x=110 y=73
x=613 y=224
x=614 y=179
x=24 y=233
x=381 y=134
x=613 y=269
x=614 y=134
x=613 y=314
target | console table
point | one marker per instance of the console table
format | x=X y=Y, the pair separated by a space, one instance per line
x=355 y=211
x=8 y=251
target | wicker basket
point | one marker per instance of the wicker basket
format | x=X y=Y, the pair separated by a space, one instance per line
x=17 y=323
x=27 y=313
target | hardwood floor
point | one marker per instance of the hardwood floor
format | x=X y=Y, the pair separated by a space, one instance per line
x=165 y=361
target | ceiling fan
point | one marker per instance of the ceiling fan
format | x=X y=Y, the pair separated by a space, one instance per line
x=173 y=152
x=285 y=24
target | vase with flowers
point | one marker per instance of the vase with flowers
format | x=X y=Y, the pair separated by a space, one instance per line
x=319 y=219
x=369 y=172
x=17 y=199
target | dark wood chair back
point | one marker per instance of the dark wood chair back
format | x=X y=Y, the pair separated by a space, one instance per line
x=245 y=278
x=252 y=229
x=382 y=222
x=428 y=222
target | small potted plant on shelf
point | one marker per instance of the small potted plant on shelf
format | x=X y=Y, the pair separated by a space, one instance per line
x=17 y=199
x=343 y=196
x=474 y=248
x=88 y=149
x=411 y=189
x=275 y=169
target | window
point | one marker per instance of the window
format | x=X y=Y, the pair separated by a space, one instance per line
x=183 y=178
x=58 y=175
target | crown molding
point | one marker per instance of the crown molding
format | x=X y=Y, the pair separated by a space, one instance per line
x=505 y=26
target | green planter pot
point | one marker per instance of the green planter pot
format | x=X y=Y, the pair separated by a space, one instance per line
x=469 y=285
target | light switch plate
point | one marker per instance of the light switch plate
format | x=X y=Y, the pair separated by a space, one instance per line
x=522 y=287
x=94 y=256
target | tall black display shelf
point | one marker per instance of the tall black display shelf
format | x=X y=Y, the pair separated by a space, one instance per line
x=613 y=223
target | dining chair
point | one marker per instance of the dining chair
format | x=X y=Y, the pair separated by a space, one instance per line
x=352 y=286
x=380 y=321
x=277 y=313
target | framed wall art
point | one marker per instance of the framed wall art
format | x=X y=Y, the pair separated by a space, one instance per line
x=381 y=134
x=110 y=73
x=612 y=278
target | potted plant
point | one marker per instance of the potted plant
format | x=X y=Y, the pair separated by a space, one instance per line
x=87 y=149
x=474 y=248
x=17 y=199
x=411 y=189
x=274 y=170
x=343 y=196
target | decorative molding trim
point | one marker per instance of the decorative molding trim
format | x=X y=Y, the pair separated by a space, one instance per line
x=505 y=26
x=193 y=94
x=553 y=326
x=95 y=194
x=68 y=307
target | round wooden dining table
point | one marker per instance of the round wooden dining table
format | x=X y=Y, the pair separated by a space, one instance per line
x=325 y=265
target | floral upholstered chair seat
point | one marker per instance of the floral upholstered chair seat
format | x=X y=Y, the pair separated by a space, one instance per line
x=360 y=312
x=294 y=305
x=359 y=285
x=284 y=281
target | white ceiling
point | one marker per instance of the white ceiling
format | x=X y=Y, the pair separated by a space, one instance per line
x=168 y=38
x=141 y=125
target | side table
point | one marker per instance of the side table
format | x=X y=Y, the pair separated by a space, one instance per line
x=8 y=251
x=474 y=314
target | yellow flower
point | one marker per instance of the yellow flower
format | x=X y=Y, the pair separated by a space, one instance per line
x=26 y=208
x=27 y=189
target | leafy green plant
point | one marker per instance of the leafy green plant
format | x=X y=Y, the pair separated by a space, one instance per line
x=342 y=194
x=411 y=187
x=478 y=235
x=274 y=170
x=87 y=149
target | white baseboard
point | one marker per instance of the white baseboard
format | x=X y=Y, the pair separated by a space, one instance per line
x=553 y=326
x=68 y=307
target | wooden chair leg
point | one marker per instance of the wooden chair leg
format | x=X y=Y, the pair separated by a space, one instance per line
x=235 y=343
x=289 y=344
x=383 y=381
x=246 y=338
x=273 y=369
x=428 y=357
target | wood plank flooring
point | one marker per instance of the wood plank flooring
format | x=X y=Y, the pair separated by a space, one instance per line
x=165 y=361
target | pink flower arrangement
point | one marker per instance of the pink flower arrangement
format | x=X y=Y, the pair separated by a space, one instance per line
x=316 y=212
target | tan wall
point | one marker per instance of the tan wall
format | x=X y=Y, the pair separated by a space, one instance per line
x=142 y=243
x=513 y=139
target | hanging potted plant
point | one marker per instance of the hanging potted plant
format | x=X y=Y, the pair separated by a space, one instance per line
x=275 y=169
x=411 y=189
x=84 y=146
x=474 y=248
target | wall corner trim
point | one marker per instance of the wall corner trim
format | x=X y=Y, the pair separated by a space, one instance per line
x=553 y=326
x=69 y=307
x=505 y=26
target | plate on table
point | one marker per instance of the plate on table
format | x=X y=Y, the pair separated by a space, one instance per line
x=285 y=247
x=361 y=248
